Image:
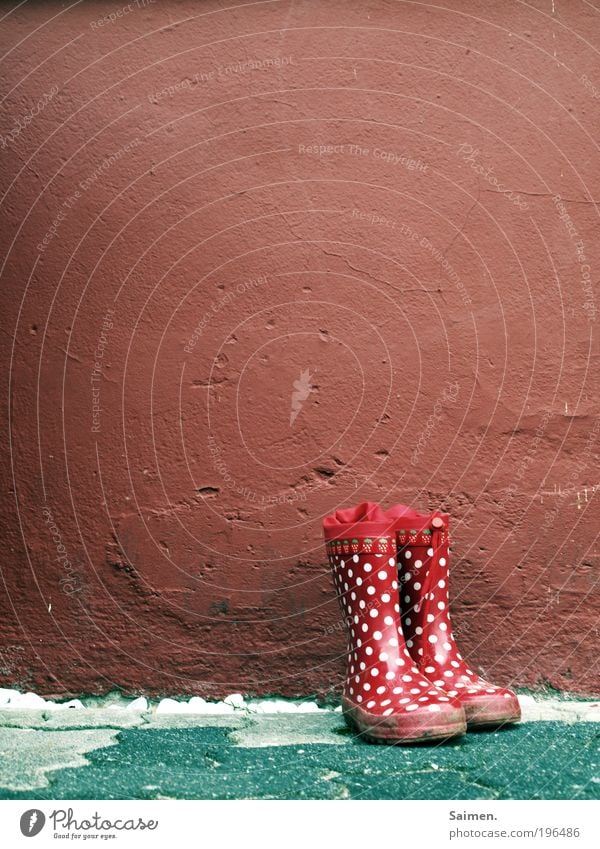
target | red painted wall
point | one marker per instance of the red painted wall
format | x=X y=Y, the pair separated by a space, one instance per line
x=202 y=206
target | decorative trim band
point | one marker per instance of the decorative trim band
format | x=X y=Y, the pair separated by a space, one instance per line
x=361 y=545
x=384 y=544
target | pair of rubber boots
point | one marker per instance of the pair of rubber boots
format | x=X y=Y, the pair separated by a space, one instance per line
x=406 y=681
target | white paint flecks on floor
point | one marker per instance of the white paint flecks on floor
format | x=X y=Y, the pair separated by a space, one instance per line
x=15 y=699
x=534 y=709
x=547 y=710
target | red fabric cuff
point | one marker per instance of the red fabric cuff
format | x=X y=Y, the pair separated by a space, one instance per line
x=369 y=520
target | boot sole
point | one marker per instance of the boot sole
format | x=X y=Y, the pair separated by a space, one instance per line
x=397 y=729
x=482 y=717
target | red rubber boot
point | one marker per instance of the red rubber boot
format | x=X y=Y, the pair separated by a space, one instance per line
x=385 y=697
x=422 y=542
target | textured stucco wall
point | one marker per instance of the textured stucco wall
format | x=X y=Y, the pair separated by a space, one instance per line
x=202 y=206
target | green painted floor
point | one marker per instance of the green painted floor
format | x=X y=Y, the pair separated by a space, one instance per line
x=302 y=757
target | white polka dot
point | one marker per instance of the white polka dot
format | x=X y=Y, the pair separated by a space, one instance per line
x=366 y=686
x=385 y=702
x=403 y=701
x=418 y=630
x=430 y=617
x=448 y=673
x=397 y=608
x=441 y=605
x=359 y=582
x=359 y=643
x=363 y=665
x=374 y=613
x=382 y=575
x=391 y=562
x=441 y=584
x=407 y=598
x=374 y=672
x=407 y=678
x=380 y=690
x=355 y=558
x=342 y=562
x=359 y=698
x=407 y=576
x=357 y=679
x=430 y=552
x=371 y=590
x=388 y=711
x=417 y=585
x=439 y=658
x=429 y=669
x=362 y=604
x=397 y=690
x=434 y=707
x=410 y=644
x=365 y=627
x=394 y=585
x=432 y=638
x=393 y=641
x=443 y=626
x=383 y=656
x=351 y=691
x=442 y=561
x=369 y=650
x=371 y=704
x=408 y=620
x=411 y=707
x=448 y=647
x=356 y=620
x=418 y=563
x=388 y=620
x=408 y=554
x=385 y=598
x=377 y=635
x=389 y=675
x=399 y=661
x=345 y=587
x=367 y=567
x=454 y=663
x=415 y=690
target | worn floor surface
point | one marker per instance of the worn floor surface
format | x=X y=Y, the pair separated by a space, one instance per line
x=104 y=754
